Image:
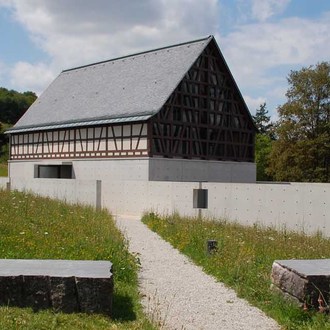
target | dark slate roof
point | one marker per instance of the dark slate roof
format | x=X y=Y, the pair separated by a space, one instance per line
x=128 y=88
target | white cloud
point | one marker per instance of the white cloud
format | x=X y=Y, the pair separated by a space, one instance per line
x=79 y=32
x=264 y=9
x=254 y=103
x=2 y=70
x=31 y=77
x=254 y=51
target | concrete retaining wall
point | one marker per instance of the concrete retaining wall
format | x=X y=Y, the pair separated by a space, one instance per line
x=71 y=191
x=3 y=182
x=295 y=206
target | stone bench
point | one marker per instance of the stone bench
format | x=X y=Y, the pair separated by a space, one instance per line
x=305 y=281
x=64 y=285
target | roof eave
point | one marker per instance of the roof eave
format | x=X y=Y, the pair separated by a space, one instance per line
x=73 y=124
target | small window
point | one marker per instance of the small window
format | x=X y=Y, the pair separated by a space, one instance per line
x=53 y=171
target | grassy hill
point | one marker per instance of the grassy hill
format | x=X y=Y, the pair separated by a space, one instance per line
x=39 y=228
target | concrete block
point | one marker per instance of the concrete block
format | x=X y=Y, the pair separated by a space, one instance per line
x=64 y=285
x=304 y=280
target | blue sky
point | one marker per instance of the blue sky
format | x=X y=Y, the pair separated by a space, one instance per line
x=262 y=40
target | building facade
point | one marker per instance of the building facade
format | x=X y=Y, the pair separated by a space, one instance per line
x=170 y=114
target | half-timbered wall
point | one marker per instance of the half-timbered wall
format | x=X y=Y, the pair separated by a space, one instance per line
x=205 y=117
x=129 y=140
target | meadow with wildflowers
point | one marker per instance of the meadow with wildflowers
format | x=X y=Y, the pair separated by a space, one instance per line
x=40 y=228
x=244 y=258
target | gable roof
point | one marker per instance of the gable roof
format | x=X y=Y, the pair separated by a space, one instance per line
x=128 y=88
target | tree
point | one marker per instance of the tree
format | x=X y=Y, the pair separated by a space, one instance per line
x=3 y=143
x=12 y=106
x=262 y=120
x=264 y=141
x=302 y=150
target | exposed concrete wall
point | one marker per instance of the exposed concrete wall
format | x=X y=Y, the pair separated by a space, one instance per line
x=84 y=169
x=295 y=206
x=3 y=182
x=71 y=191
x=134 y=197
x=188 y=170
x=144 y=169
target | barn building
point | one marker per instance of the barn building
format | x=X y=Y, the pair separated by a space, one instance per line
x=169 y=114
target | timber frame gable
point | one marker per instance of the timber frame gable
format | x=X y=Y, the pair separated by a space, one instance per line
x=205 y=117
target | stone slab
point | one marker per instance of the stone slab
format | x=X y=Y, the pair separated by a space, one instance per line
x=308 y=267
x=304 y=280
x=55 y=268
x=64 y=285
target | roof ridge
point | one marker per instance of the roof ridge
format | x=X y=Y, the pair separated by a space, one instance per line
x=139 y=53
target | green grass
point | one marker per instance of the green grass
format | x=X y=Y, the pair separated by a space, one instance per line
x=244 y=260
x=34 y=227
x=3 y=169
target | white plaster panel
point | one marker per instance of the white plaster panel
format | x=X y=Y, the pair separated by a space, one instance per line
x=126 y=144
x=127 y=130
x=117 y=130
x=142 y=143
x=136 y=129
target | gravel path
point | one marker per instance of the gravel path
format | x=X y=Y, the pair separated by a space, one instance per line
x=178 y=295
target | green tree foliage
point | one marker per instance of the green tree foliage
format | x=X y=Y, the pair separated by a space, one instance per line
x=262 y=120
x=302 y=150
x=12 y=106
x=4 y=148
x=264 y=141
x=263 y=148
